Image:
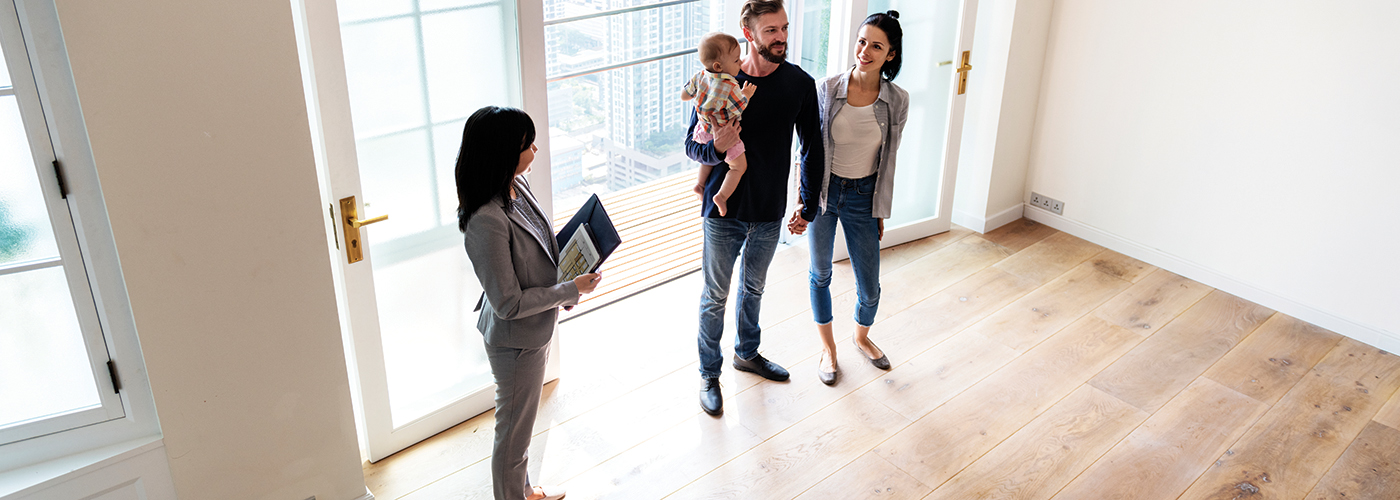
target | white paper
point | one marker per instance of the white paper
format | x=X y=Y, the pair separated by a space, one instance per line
x=579 y=255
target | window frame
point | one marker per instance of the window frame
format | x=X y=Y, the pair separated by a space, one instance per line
x=31 y=29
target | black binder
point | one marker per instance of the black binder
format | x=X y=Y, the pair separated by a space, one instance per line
x=599 y=225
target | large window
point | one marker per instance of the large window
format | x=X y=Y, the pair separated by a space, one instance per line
x=57 y=358
x=615 y=69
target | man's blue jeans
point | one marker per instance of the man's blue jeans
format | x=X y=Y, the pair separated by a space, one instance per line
x=725 y=240
x=850 y=201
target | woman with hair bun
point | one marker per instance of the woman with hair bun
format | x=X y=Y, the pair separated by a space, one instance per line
x=862 y=114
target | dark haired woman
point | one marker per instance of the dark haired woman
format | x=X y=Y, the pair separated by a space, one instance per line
x=863 y=114
x=513 y=251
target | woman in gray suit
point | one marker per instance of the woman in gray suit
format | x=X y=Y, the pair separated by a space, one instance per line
x=512 y=249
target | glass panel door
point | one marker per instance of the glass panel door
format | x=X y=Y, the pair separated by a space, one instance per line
x=409 y=73
x=936 y=32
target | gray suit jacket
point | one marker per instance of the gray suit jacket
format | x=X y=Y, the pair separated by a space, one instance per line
x=517 y=270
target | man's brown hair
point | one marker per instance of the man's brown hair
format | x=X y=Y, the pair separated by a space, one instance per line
x=715 y=46
x=754 y=8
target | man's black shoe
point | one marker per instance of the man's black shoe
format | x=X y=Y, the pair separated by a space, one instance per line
x=710 y=398
x=763 y=367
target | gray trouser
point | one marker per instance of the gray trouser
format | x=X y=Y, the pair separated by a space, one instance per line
x=519 y=379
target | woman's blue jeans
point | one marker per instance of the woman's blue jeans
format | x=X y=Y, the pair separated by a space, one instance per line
x=848 y=201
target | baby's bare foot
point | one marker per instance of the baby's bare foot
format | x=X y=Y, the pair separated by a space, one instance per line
x=721 y=204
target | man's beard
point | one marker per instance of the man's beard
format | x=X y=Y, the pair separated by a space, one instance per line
x=767 y=55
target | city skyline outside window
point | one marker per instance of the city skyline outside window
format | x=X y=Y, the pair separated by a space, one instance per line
x=615 y=116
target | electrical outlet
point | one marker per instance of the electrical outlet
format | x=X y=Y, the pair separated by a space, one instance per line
x=1053 y=205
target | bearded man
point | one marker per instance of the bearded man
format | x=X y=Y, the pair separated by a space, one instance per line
x=785 y=100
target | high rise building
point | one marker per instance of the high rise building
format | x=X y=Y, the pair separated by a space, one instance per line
x=639 y=116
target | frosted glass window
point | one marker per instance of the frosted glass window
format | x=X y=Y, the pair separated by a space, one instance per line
x=382 y=70
x=25 y=233
x=44 y=368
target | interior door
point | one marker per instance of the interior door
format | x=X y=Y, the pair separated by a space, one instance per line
x=391 y=85
x=936 y=35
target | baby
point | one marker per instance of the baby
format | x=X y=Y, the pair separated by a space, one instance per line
x=719 y=100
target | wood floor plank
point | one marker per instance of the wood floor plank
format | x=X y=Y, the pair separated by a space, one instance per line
x=1018 y=235
x=1267 y=363
x=801 y=456
x=1369 y=469
x=933 y=320
x=932 y=378
x=869 y=477
x=1390 y=413
x=1050 y=257
x=1164 y=364
x=1121 y=266
x=1044 y=311
x=1039 y=459
x=768 y=408
x=1161 y=458
x=1296 y=442
x=470 y=483
x=1152 y=302
x=949 y=438
x=581 y=443
x=921 y=278
x=440 y=456
x=666 y=462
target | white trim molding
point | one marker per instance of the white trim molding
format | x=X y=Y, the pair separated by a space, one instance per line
x=1363 y=333
x=981 y=225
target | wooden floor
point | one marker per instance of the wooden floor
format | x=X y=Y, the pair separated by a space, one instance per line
x=1027 y=364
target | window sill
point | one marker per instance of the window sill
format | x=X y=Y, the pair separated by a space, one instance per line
x=37 y=477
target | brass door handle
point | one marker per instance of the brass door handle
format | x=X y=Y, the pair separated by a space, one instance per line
x=354 y=252
x=356 y=223
x=962 y=72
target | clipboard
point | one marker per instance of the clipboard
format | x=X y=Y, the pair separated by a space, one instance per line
x=595 y=221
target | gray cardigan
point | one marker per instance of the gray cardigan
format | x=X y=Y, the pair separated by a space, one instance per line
x=517 y=270
x=891 y=111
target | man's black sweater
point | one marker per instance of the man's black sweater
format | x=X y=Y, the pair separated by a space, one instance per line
x=785 y=100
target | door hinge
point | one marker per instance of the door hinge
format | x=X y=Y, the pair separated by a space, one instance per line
x=335 y=235
x=62 y=186
x=112 y=371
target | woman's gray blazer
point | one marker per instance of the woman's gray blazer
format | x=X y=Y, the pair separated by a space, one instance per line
x=517 y=270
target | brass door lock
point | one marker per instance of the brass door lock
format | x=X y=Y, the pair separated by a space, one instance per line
x=351 y=225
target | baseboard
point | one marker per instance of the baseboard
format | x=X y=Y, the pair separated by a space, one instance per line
x=981 y=225
x=1362 y=333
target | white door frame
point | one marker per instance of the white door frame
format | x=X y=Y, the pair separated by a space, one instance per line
x=943 y=220
x=328 y=104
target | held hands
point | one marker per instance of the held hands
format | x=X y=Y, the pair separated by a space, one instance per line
x=587 y=282
x=748 y=89
x=797 y=225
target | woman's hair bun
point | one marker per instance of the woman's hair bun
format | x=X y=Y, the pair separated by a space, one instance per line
x=892 y=13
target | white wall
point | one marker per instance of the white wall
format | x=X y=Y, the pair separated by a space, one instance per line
x=199 y=132
x=1251 y=145
x=1003 y=89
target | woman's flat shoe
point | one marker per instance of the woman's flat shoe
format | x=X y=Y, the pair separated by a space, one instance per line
x=828 y=378
x=883 y=362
